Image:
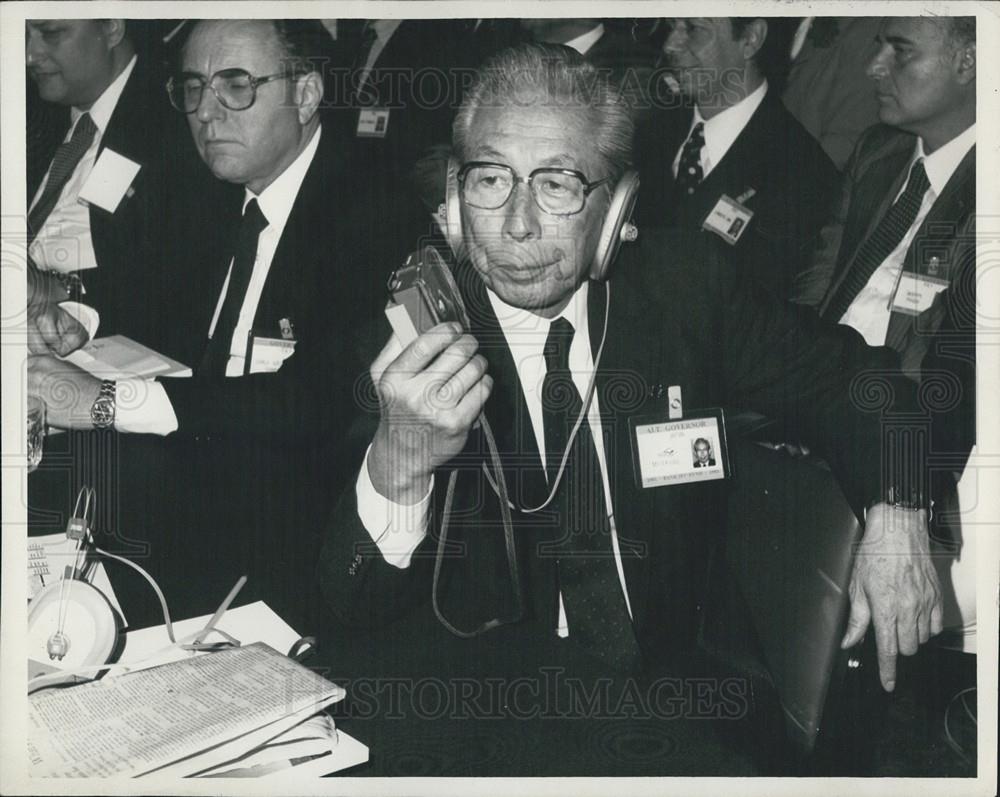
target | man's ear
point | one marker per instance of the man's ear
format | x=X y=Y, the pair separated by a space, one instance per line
x=114 y=31
x=753 y=38
x=966 y=63
x=308 y=95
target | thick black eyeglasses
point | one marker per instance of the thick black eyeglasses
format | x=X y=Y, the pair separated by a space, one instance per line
x=558 y=192
x=235 y=89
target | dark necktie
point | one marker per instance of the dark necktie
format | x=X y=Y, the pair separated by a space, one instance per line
x=881 y=243
x=588 y=577
x=689 y=171
x=64 y=162
x=217 y=352
x=366 y=40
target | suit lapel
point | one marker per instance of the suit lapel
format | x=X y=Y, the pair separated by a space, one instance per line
x=506 y=408
x=871 y=200
x=949 y=213
x=622 y=386
x=296 y=264
x=743 y=160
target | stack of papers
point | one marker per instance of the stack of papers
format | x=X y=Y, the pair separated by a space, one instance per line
x=198 y=716
x=120 y=357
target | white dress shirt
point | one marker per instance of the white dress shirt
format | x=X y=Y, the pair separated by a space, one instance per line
x=152 y=412
x=398 y=529
x=722 y=129
x=64 y=243
x=585 y=41
x=870 y=311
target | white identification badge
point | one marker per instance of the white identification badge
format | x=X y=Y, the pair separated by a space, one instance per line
x=915 y=293
x=373 y=122
x=728 y=219
x=667 y=452
x=109 y=181
x=267 y=354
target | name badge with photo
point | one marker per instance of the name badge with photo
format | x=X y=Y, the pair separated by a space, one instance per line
x=265 y=355
x=690 y=449
x=915 y=293
x=109 y=181
x=373 y=123
x=729 y=219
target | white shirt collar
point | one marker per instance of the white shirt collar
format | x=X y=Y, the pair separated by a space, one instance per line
x=725 y=127
x=277 y=199
x=525 y=330
x=941 y=164
x=585 y=41
x=100 y=112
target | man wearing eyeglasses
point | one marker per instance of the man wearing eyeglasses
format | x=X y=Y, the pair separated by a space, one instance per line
x=263 y=304
x=251 y=284
x=559 y=363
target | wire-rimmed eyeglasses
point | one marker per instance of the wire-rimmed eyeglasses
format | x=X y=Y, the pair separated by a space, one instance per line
x=235 y=89
x=558 y=192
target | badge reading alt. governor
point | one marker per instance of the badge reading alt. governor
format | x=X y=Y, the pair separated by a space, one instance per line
x=668 y=452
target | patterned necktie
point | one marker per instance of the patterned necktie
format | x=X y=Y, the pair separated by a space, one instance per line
x=588 y=577
x=689 y=171
x=881 y=243
x=217 y=351
x=64 y=162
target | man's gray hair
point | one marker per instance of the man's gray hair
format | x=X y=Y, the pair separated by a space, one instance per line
x=552 y=75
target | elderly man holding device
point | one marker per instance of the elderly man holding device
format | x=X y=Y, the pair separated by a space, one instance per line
x=530 y=459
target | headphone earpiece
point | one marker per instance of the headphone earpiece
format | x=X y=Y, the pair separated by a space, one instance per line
x=452 y=211
x=616 y=229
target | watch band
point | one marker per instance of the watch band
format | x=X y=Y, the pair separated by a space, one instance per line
x=906 y=497
x=102 y=412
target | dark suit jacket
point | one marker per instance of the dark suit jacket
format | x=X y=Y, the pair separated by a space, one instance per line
x=630 y=60
x=793 y=178
x=256 y=457
x=938 y=347
x=321 y=279
x=418 y=77
x=130 y=243
x=687 y=319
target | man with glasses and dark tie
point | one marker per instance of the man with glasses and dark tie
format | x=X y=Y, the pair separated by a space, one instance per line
x=560 y=360
x=265 y=298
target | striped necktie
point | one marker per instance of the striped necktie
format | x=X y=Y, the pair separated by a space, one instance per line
x=64 y=163
x=881 y=243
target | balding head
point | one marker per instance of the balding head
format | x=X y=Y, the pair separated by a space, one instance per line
x=925 y=76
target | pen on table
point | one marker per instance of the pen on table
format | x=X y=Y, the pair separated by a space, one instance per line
x=221 y=610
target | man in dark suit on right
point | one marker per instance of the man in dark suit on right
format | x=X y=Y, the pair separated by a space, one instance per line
x=725 y=157
x=898 y=260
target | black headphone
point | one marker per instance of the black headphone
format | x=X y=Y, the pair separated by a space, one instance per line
x=617 y=226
